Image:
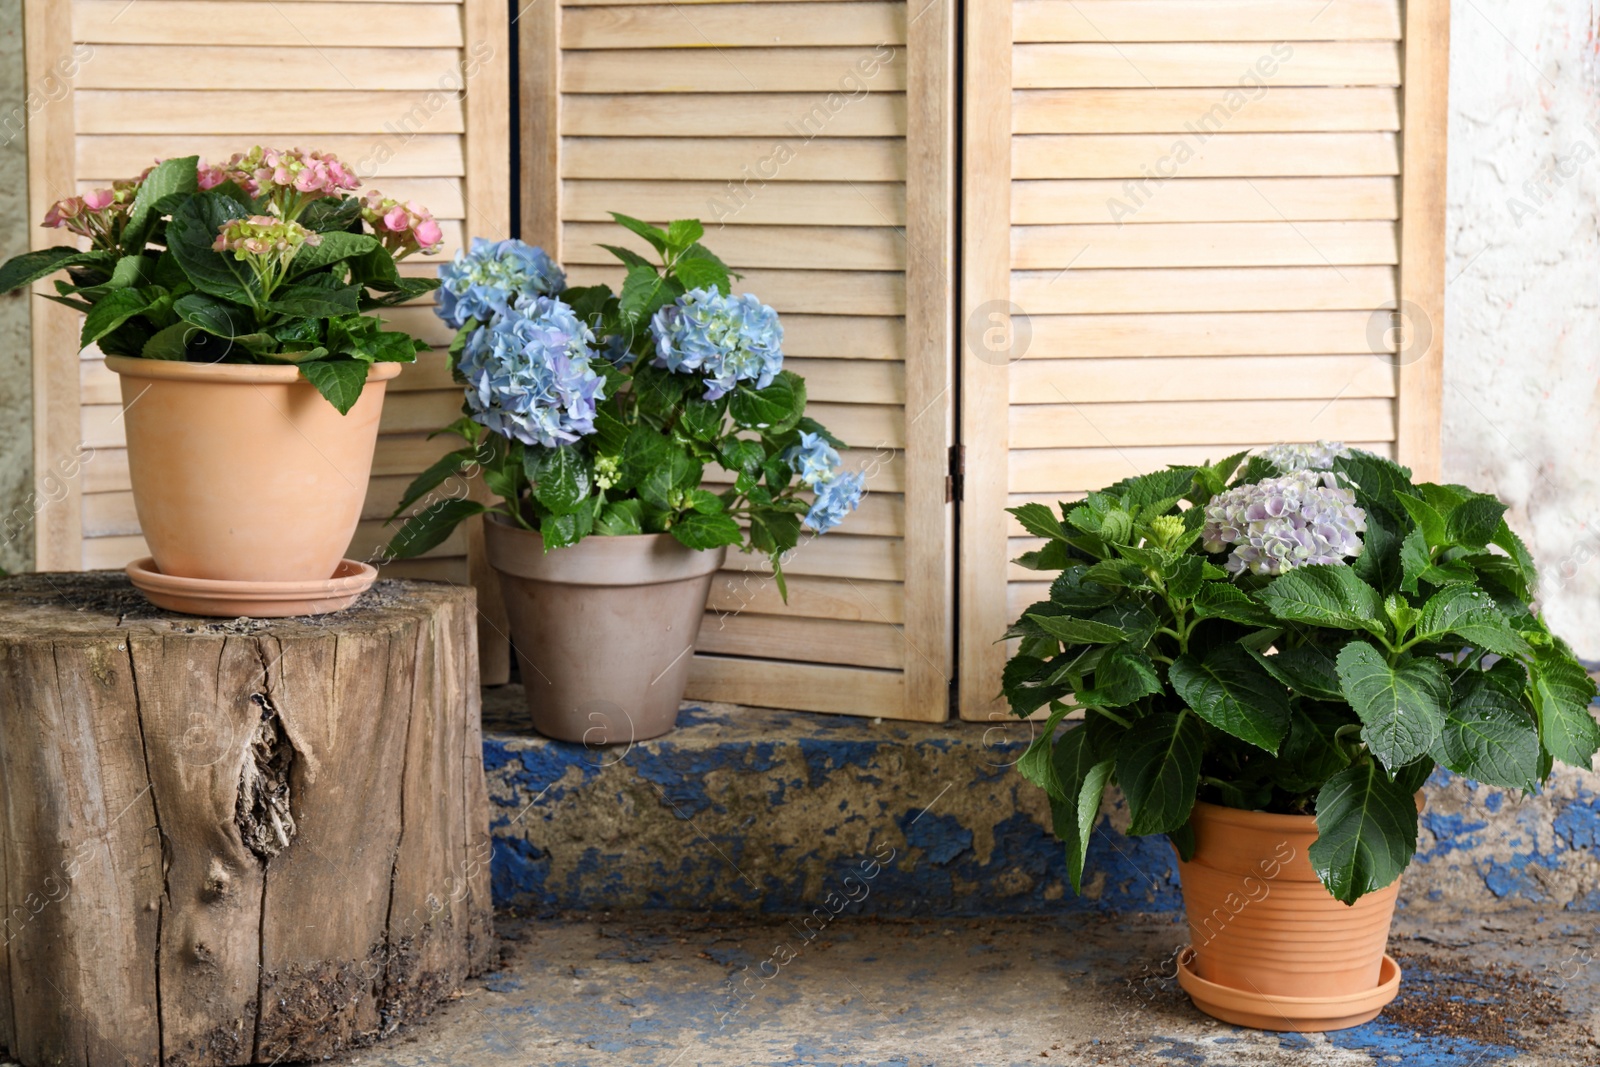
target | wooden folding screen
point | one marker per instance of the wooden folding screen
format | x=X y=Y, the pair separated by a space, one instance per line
x=815 y=140
x=1190 y=227
x=414 y=96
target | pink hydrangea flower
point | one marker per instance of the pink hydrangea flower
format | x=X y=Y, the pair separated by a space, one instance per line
x=98 y=215
x=64 y=213
x=403 y=228
x=210 y=177
x=306 y=173
x=263 y=235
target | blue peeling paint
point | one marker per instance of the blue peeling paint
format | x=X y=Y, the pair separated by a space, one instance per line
x=940 y=837
x=1387 y=1043
x=516 y=871
x=730 y=791
x=1451 y=832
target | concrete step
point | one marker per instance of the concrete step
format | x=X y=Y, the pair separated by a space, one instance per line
x=745 y=809
x=737 y=990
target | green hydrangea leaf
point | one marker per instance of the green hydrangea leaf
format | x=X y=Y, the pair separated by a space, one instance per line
x=1366 y=832
x=1123 y=675
x=1230 y=690
x=446 y=466
x=1472 y=615
x=1377 y=481
x=170 y=342
x=1039 y=521
x=193 y=227
x=669 y=480
x=1036 y=763
x=1489 y=736
x=171 y=177
x=701 y=531
x=1402 y=708
x=652 y=234
x=427 y=529
x=1081 y=780
x=116 y=308
x=1562 y=692
x=1158 y=767
x=1329 y=595
x=773 y=410
x=1474 y=522
x=315 y=301
x=340 y=380
x=29 y=267
x=1223 y=600
x=1427 y=518
x=1415 y=559
x=619 y=518
x=1079 y=631
x=1308 y=670
x=562 y=531
x=697 y=273
x=561 y=477
x=1506 y=539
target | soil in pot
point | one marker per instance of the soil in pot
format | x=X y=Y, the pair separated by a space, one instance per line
x=243 y=472
x=1262 y=924
x=604 y=630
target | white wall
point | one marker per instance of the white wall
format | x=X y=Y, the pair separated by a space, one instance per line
x=1522 y=306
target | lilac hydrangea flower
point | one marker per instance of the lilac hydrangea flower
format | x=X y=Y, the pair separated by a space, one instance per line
x=1308 y=457
x=490 y=278
x=729 y=339
x=528 y=373
x=836 y=498
x=1278 y=524
x=813 y=459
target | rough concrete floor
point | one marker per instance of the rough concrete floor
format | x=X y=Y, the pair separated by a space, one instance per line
x=665 y=990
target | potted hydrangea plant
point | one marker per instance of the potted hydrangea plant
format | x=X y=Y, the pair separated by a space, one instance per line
x=236 y=303
x=1271 y=655
x=632 y=438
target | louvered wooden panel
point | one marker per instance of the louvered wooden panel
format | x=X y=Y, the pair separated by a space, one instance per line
x=815 y=140
x=379 y=84
x=1186 y=219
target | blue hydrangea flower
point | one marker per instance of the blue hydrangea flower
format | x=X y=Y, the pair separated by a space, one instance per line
x=836 y=498
x=490 y=278
x=528 y=374
x=729 y=339
x=615 y=350
x=813 y=459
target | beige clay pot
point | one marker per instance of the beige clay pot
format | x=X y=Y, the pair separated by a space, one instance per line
x=243 y=472
x=1271 y=947
x=604 y=630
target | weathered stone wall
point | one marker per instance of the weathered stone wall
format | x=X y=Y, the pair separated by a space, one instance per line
x=16 y=393
x=1522 y=370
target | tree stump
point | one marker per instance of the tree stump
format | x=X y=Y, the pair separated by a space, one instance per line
x=234 y=842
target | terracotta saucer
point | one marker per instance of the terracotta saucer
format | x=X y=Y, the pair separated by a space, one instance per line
x=258 y=600
x=1295 y=1014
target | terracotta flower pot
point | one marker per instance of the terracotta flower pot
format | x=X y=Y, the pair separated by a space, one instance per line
x=243 y=472
x=604 y=630
x=1272 y=948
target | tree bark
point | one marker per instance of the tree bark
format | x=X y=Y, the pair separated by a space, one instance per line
x=234 y=842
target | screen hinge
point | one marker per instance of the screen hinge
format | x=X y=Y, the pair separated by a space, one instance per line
x=957 y=474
